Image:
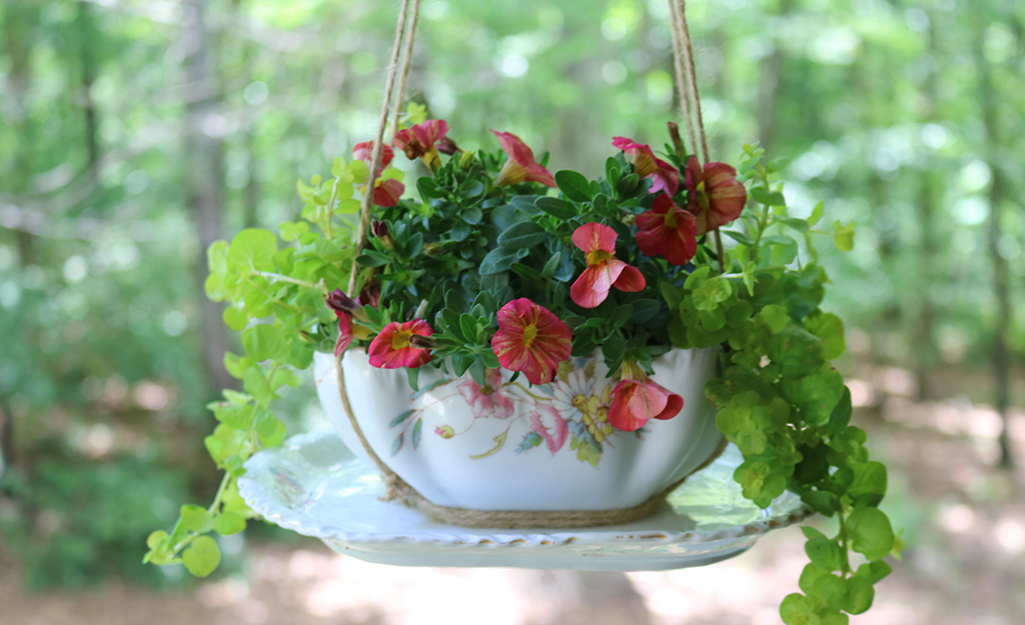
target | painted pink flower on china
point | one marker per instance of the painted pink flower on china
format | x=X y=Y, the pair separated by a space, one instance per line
x=392 y=347
x=487 y=401
x=636 y=401
x=550 y=426
x=521 y=166
x=667 y=230
x=419 y=141
x=604 y=270
x=531 y=339
x=716 y=196
x=664 y=177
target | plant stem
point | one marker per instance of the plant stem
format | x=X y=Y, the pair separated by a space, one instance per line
x=280 y=278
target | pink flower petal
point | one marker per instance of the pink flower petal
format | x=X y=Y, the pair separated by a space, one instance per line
x=521 y=166
x=388 y=192
x=630 y=278
x=591 y=288
x=595 y=237
x=365 y=150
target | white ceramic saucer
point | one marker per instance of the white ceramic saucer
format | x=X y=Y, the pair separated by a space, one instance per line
x=313 y=485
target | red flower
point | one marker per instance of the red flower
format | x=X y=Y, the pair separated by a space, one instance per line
x=664 y=176
x=668 y=230
x=521 y=166
x=386 y=192
x=345 y=308
x=604 y=270
x=716 y=196
x=530 y=338
x=635 y=401
x=418 y=141
x=363 y=151
x=392 y=348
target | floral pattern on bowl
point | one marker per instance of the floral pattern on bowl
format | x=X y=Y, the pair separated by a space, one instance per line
x=512 y=446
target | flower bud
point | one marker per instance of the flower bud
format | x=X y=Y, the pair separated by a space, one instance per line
x=380 y=230
x=447 y=146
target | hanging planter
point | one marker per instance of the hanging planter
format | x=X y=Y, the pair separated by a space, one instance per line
x=523 y=349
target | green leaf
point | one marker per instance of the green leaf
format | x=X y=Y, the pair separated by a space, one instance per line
x=573 y=185
x=254 y=249
x=202 y=557
x=860 y=595
x=551 y=265
x=809 y=575
x=816 y=395
x=874 y=571
x=265 y=342
x=228 y=523
x=557 y=207
x=257 y=385
x=870 y=532
x=498 y=260
x=468 y=326
x=776 y=317
x=869 y=485
x=196 y=519
x=843 y=236
x=797 y=352
x=816 y=214
x=825 y=553
x=765 y=196
x=830 y=589
x=829 y=328
x=797 y=609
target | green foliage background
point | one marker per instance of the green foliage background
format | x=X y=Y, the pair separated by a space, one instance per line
x=133 y=133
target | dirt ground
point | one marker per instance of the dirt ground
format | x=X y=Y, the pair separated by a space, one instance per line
x=963 y=520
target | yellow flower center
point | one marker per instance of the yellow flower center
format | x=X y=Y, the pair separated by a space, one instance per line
x=599 y=256
x=529 y=334
x=579 y=400
x=400 y=340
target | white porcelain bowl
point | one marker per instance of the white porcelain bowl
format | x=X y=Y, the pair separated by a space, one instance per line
x=523 y=447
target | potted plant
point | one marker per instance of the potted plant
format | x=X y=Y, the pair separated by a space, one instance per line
x=579 y=319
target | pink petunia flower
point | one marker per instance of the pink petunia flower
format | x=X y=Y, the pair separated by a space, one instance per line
x=667 y=230
x=637 y=399
x=392 y=347
x=487 y=401
x=521 y=166
x=716 y=196
x=550 y=426
x=604 y=270
x=664 y=176
x=419 y=141
x=530 y=338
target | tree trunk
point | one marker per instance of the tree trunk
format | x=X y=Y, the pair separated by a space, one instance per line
x=205 y=153
x=925 y=348
x=88 y=76
x=1001 y=361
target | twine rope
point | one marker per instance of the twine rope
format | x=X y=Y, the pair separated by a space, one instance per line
x=405 y=32
x=396 y=487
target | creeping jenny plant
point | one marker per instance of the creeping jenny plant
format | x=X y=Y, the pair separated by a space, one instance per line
x=501 y=264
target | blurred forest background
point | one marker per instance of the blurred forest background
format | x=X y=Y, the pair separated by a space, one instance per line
x=135 y=132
